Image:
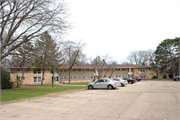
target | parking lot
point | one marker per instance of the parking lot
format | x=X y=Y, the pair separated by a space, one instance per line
x=145 y=100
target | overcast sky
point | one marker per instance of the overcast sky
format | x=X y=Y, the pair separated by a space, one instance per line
x=118 y=27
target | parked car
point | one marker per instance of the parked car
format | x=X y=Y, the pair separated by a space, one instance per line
x=130 y=80
x=176 y=78
x=103 y=83
x=122 y=82
x=137 y=78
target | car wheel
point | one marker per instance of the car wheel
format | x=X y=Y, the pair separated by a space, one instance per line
x=110 y=87
x=130 y=82
x=176 y=79
x=122 y=85
x=90 y=87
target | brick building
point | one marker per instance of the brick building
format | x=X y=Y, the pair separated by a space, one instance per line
x=83 y=73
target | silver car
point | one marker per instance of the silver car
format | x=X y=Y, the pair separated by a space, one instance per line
x=122 y=82
x=103 y=83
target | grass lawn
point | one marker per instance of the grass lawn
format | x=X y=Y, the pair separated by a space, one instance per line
x=28 y=92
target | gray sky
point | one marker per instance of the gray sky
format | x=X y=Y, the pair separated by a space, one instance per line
x=117 y=27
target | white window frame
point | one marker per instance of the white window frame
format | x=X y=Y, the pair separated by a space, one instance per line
x=111 y=76
x=63 y=77
x=142 y=69
x=88 y=69
x=63 y=70
x=89 y=77
x=124 y=69
x=80 y=69
x=73 y=77
x=143 y=76
x=118 y=69
x=125 y=75
x=73 y=70
x=38 y=79
x=19 y=70
x=22 y=77
x=151 y=74
x=37 y=71
x=118 y=75
x=81 y=77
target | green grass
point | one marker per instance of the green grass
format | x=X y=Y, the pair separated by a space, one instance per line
x=77 y=83
x=28 y=92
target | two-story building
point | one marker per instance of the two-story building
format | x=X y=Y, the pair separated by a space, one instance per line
x=83 y=73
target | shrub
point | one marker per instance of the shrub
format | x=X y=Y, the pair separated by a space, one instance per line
x=171 y=76
x=164 y=76
x=154 y=77
x=18 y=81
x=5 y=80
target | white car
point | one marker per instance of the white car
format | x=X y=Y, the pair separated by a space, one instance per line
x=103 y=83
x=123 y=82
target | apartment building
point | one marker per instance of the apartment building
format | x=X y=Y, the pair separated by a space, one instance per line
x=83 y=73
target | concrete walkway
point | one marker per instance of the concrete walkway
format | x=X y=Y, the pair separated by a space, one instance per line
x=67 y=84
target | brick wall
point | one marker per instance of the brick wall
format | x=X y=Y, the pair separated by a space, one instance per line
x=28 y=74
x=48 y=76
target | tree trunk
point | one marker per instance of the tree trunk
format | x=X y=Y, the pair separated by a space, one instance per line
x=69 y=76
x=53 y=79
x=22 y=75
x=43 y=70
x=157 y=73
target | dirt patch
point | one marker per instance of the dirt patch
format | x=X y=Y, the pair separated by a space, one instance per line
x=46 y=95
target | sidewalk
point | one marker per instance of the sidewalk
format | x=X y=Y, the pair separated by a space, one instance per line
x=67 y=84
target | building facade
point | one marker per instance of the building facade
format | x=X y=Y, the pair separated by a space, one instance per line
x=83 y=73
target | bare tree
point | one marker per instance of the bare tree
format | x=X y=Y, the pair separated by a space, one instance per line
x=141 y=57
x=72 y=51
x=112 y=67
x=31 y=18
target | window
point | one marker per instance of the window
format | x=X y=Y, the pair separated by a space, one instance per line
x=89 y=77
x=36 y=79
x=101 y=80
x=124 y=75
x=19 y=70
x=63 y=70
x=89 y=70
x=38 y=71
x=22 y=78
x=118 y=75
x=81 y=77
x=143 y=76
x=80 y=69
x=142 y=70
x=105 y=80
x=124 y=69
x=73 y=70
x=63 y=77
x=118 y=69
x=151 y=74
x=73 y=77
x=104 y=69
x=110 y=76
x=150 y=68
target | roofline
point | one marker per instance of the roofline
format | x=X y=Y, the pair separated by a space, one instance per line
x=89 y=66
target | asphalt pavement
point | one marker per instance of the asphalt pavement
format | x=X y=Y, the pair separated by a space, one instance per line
x=145 y=100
